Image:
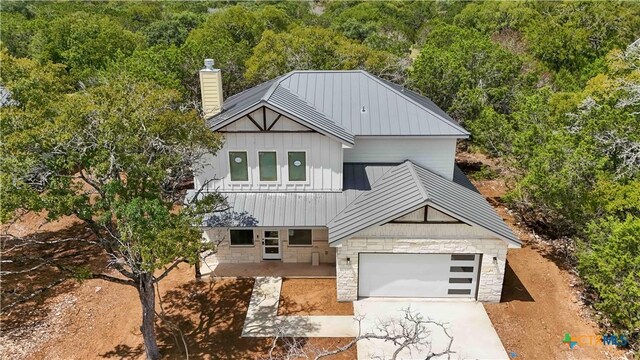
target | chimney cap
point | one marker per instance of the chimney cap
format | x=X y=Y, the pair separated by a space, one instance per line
x=208 y=64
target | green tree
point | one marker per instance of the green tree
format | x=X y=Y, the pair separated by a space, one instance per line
x=173 y=30
x=114 y=156
x=237 y=30
x=461 y=70
x=610 y=263
x=304 y=48
x=84 y=42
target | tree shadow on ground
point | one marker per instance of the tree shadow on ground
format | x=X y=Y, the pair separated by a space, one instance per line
x=512 y=288
x=48 y=280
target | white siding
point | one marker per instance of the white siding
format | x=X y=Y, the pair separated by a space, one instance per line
x=323 y=157
x=437 y=155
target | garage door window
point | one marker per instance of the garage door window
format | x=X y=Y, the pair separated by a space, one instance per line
x=459 y=292
x=468 y=269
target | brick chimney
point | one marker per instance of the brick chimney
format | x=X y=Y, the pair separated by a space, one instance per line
x=211 y=89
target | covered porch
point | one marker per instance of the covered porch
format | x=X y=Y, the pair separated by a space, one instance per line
x=272 y=268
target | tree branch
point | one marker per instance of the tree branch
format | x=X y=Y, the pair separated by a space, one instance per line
x=168 y=270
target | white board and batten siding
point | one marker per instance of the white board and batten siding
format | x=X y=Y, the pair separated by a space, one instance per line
x=323 y=156
x=435 y=154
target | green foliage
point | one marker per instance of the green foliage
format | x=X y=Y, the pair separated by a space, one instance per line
x=173 y=30
x=462 y=71
x=16 y=33
x=609 y=262
x=237 y=30
x=312 y=48
x=111 y=155
x=84 y=42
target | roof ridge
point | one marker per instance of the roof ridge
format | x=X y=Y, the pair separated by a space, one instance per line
x=275 y=85
x=380 y=81
x=416 y=179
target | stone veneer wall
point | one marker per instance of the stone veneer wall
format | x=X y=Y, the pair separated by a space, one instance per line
x=253 y=253
x=491 y=275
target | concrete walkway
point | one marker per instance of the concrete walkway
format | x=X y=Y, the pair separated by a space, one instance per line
x=263 y=321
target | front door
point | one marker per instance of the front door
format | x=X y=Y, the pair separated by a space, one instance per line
x=271 y=245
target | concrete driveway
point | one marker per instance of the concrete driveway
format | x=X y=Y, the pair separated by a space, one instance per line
x=473 y=334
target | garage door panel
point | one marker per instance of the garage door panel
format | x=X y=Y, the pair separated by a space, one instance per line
x=417 y=275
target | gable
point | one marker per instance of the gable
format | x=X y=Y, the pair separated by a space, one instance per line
x=426 y=215
x=264 y=119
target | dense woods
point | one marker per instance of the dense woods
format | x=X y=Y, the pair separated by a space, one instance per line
x=552 y=88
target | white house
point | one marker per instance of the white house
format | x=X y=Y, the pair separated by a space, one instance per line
x=351 y=170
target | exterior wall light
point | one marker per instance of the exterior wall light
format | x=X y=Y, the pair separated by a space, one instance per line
x=348 y=261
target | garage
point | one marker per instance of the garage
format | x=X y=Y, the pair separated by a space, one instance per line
x=418 y=275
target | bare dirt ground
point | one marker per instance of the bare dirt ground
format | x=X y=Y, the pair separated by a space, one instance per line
x=99 y=319
x=311 y=297
x=540 y=299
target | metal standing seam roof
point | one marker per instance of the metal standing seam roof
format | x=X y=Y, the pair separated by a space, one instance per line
x=342 y=103
x=408 y=187
x=373 y=195
x=302 y=209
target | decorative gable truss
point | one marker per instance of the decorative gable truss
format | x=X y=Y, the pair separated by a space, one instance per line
x=265 y=119
x=427 y=215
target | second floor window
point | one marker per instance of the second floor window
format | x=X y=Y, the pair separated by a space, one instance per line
x=267 y=161
x=238 y=166
x=297 y=166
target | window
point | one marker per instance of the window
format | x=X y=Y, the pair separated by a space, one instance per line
x=459 y=291
x=462 y=257
x=297 y=166
x=238 y=166
x=241 y=237
x=300 y=237
x=268 y=166
x=461 y=269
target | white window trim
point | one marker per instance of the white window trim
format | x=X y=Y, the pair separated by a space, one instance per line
x=306 y=165
x=249 y=175
x=253 y=237
x=297 y=228
x=277 y=181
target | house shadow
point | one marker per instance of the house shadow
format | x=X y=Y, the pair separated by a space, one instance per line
x=512 y=288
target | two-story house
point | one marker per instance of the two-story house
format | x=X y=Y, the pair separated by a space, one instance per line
x=345 y=168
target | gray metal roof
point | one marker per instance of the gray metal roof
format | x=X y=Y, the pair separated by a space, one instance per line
x=303 y=209
x=373 y=194
x=408 y=187
x=355 y=102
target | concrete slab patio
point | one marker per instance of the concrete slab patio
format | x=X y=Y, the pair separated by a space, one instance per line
x=468 y=323
x=270 y=268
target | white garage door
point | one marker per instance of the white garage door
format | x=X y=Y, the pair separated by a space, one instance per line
x=418 y=275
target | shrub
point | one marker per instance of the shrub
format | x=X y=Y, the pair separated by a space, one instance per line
x=610 y=264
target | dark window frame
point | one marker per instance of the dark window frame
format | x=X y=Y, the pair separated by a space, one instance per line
x=300 y=245
x=231 y=231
